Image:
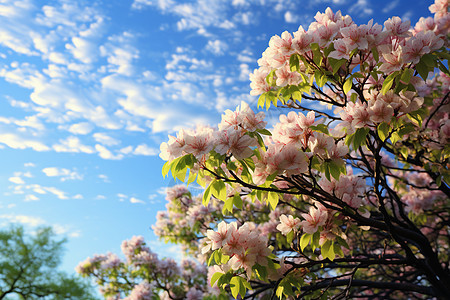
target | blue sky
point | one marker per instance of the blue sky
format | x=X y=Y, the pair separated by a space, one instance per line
x=89 y=90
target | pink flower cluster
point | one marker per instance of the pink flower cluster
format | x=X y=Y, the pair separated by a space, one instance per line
x=137 y=253
x=245 y=245
x=350 y=189
x=316 y=217
x=142 y=291
x=231 y=138
x=288 y=224
x=397 y=45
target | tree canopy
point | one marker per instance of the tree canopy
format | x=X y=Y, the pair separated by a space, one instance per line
x=29 y=267
x=347 y=196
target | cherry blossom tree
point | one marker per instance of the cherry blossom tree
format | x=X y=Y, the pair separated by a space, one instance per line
x=347 y=196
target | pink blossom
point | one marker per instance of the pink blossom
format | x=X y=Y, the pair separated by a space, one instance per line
x=288 y=223
x=341 y=50
x=235 y=142
x=223 y=234
x=199 y=143
x=305 y=122
x=355 y=36
x=440 y=8
x=142 y=291
x=302 y=41
x=314 y=219
x=396 y=27
x=381 y=112
x=258 y=82
x=194 y=294
x=282 y=44
x=392 y=58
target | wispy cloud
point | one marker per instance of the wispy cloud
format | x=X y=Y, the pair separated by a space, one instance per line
x=62 y=173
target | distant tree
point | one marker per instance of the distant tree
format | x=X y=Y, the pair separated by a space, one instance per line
x=28 y=267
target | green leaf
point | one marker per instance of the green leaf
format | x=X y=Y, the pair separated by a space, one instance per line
x=348 y=85
x=290 y=236
x=375 y=54
x=314 y=46
x=191 y=178
x=320 y=128
x=327 y=250
x=342 y=242
x=211 y=258
x=237 y=201
x=238 y=286
x=360 y=137
x=262 y=100
x=443 y=68
x=338 y=250
x=235 y=285
x=430 y=60
x=326 y=167
x=353 y=52
x=404 y=152
x=383 y=131
x=228 y=205
x=219 y=189
x=260 y=271
x=394 y=138
x=407 y=128
x=264 y=132
x=181 y=174
x=297 y=96
x=304 y=240
x=317 y=57
x=336 y=64
x=216 y=276
x=335 y=169
x=315 y=240
x=272 y=198
x=166 y=168
x=294 y=62
x=406 y=76
x=279 y=292
x=422 y=69
x=387 y=84
x=206 y=196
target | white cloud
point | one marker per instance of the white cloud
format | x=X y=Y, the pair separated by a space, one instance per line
x=81 y=128
x=78 y=197
x=16 y=180
x=217 y=47
x=135 y=200
x=57 y=192
x=31 y=197
x=245 y=72
x=144 y=149
x=103 y=177
x=361 y=7
x=72 y=144
x=64 y=174
x=120 y=53
x=104 y=153
x=26 y=220
x=17 y=142
x=289 y=17
x=196 y=15
x=390 y=6
x=105 y=139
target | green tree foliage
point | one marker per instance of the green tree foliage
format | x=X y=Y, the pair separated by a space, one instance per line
x=28 y=267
